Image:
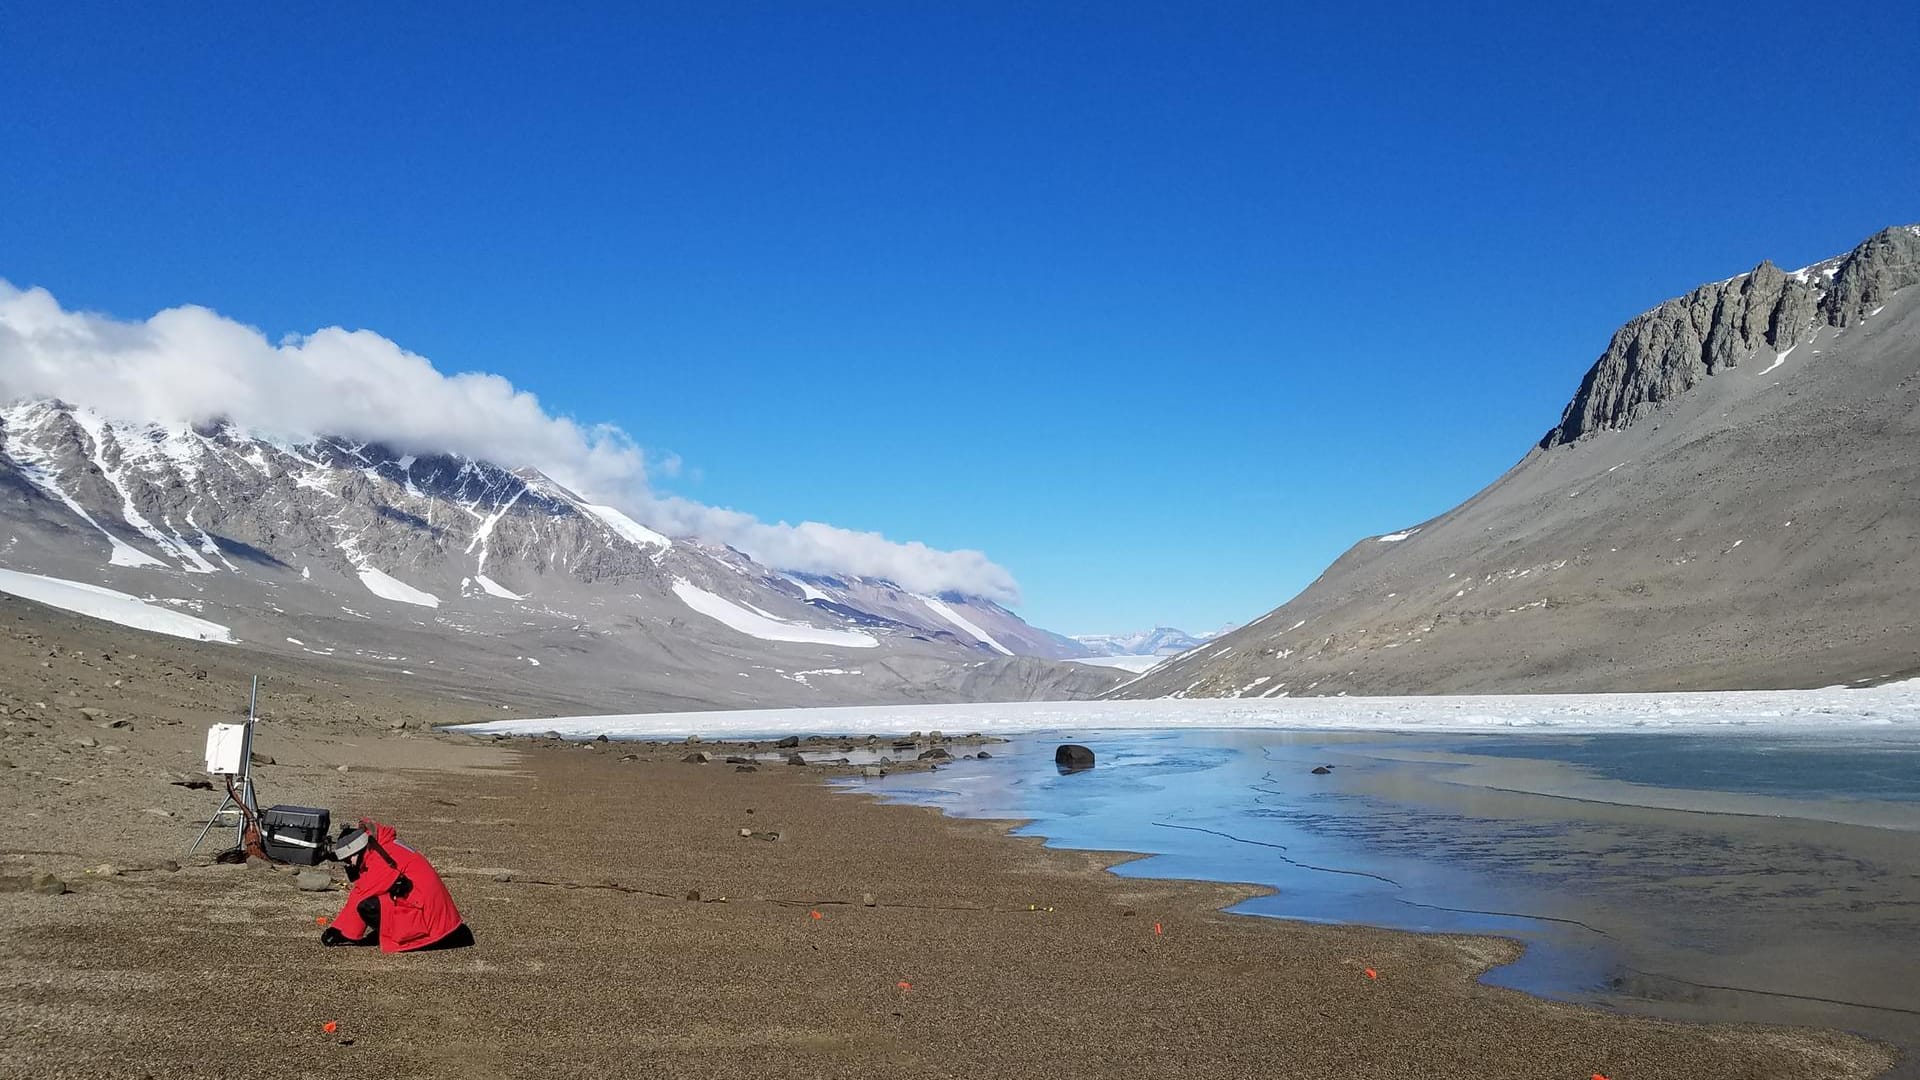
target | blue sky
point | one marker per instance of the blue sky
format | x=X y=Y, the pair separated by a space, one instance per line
x=1160 y=306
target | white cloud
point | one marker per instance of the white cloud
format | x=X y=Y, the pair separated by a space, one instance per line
x=190 y=364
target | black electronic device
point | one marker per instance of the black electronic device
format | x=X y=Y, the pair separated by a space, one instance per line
x=295 y=834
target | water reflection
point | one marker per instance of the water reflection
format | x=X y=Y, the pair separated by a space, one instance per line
x=1551 y=841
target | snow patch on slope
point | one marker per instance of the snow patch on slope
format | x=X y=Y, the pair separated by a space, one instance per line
x=940 y=608
x=115 y=607
x=624 y=526
x=755 y=624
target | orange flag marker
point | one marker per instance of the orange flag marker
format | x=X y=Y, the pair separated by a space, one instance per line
x=1372 y=974
x=905 y=987
x=816 y=915
x=319 y=920
x=330 y=1026
x=1157 y=930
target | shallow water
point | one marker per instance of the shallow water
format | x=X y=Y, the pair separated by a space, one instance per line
x=1772 y=879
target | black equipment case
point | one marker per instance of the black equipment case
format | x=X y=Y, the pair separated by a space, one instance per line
x=294 y=834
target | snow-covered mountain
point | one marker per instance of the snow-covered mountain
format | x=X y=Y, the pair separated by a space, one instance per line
x=1728 y=501
x=1159 y=641
x=350 y=550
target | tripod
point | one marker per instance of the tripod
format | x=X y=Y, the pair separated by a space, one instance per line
x=241 y=800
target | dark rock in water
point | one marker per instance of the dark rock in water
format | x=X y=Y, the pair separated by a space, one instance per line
x=1072 y=757
x=1322 y=770
x=935 y=754
x=796 y=759
x=746 y=768
x=600 y=738
x=699 y=758
x=983 y=756
x=787 y=743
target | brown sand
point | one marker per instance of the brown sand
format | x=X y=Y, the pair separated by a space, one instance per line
x=574 y=868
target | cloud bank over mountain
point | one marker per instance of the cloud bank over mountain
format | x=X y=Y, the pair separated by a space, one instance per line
x=192 y=365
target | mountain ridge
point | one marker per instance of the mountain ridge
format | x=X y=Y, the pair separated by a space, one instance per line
x=449 y=559
x=1711 y=512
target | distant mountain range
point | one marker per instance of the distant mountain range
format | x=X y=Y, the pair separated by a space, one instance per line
x=351 y=551
x=1728 y=501
x=1159 y=641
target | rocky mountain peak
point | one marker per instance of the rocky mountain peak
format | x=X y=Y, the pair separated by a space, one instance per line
x=1669 y=350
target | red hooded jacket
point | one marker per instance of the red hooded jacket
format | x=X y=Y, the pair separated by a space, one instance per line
x=421 y=917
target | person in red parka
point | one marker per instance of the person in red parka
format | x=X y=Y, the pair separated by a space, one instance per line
x=397 y=899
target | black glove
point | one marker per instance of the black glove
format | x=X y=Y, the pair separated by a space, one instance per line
x=330 y=936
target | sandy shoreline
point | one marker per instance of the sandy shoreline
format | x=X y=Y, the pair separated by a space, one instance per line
x=575 y=867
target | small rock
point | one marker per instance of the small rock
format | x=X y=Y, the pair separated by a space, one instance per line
x=601 y=738
x=5 y=764
x=746 y=768
x=259 y=758
x=700 y=757
x=629 y=757
x=935 y=754
x=157 y=812
x=48 y=885
x=105 y=870
x=796 y=759
x=904 y=745
x=255 y=862
x=914 y=735
x=503 y=876
x=868 y=900
x=787 y=743
x=169 y=866
x=313 y=881
x=934 y=736
x=92 y=713
x=110 y=725
x=343 y=768
x=553 y=735
x=1322 y=770
x=745 y=833
x=693 y=895
x=885 y=760
x=112 y=749
x=983 y=755
x=86 y=741
x=873 y=772
x=693 y=740
x=773 y=835
x=738 y=760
